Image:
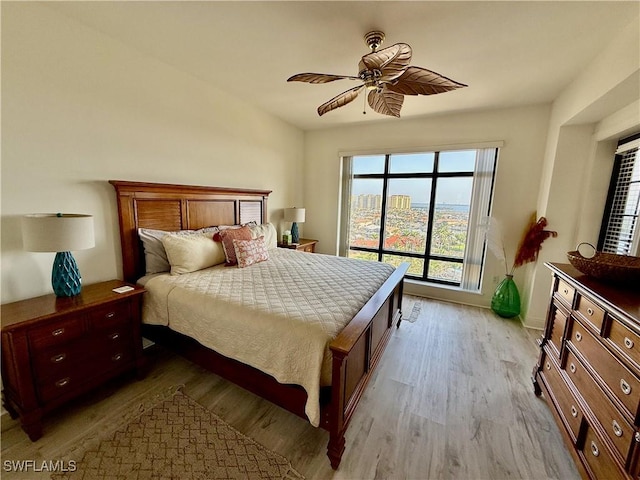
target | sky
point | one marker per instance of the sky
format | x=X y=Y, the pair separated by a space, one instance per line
x=450 y=190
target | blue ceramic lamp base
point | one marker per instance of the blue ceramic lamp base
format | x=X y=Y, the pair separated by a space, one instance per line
x=65 y=276
x=295 y=235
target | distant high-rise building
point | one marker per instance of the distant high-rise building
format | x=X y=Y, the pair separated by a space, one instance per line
x=400 y=202
x=367 y=201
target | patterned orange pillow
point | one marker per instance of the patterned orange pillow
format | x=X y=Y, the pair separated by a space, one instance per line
x=249 y=252
x=227 y=236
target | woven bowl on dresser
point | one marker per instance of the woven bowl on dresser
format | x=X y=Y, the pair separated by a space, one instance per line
x=608 y=266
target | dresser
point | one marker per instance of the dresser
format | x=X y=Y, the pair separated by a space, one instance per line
x=56 y=348
x=589 y=372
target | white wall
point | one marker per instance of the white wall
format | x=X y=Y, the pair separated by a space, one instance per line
x=80 y=108
x=523 y=131
x=592 y=113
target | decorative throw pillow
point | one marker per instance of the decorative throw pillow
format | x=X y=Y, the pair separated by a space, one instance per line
x=227 y=237
x=251 y=251
x=188 y=253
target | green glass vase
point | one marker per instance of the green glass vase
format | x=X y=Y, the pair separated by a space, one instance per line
x=506 y=299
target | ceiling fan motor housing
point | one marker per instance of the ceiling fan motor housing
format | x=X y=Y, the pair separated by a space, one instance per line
x=374 y=39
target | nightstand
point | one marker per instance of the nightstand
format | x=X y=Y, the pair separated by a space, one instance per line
x=56 y=348
x=304 y=245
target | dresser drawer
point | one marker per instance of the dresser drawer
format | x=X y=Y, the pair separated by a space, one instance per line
x=598 y=458
x=590 y=312
x=568 y=408
x=623 y=384
x=112 y=359
x=613 y=422
x=557 y=322
x=56 y=333
x=625 y=341
x=566 y=292
x=61 y=360
x=110 y=316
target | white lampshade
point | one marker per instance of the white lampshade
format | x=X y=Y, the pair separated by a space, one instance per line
x=294 y=214
x=57 y=232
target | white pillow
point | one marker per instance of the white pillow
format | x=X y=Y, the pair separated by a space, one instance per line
x=193 y=252
x=155 y=257
x=268 y=231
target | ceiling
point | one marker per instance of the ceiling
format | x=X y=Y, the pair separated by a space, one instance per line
x=509 y=53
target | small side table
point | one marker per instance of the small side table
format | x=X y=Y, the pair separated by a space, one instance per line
x=304 y=245
x=54 y=349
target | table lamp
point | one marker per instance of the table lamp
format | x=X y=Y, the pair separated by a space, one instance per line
x=60 y=233
x=295 y=215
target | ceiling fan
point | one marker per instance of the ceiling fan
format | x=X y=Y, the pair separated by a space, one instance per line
x=386 y=75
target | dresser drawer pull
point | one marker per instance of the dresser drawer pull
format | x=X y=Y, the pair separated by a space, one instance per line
x=572 y=367
x=58 y=358
x=110 y=315
x=116 y=357
x=565 y=291
x=57 y=332
x=590 y=311
x=114 y=336
x=574 y=411
x=548 y=366
x=616 y=429
x=625 y=387
x=578 y=337
x=595 y=450
x=628 y=342
x=636 y=437
x=63 y=383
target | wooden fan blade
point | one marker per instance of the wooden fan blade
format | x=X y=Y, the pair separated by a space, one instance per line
x=386 y=102
x=391 y=61
x=318 y=78
x=420 y=81
x=340 y=100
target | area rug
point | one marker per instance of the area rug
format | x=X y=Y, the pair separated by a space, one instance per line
x=176 y=438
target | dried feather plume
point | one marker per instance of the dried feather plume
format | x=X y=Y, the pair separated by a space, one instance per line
x=529 y=246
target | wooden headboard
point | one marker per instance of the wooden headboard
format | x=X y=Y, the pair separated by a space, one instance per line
x=170 y=207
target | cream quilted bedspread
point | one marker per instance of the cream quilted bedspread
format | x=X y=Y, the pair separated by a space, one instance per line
x=277 y=316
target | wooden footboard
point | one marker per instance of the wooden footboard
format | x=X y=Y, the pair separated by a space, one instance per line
x=356 y=352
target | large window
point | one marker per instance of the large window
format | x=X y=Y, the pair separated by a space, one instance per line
x=421 y=208
x=620 y=231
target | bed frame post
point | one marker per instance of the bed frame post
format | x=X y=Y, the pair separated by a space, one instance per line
x=335 y=448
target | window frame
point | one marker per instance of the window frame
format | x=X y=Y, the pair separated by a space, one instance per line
x=434 y=175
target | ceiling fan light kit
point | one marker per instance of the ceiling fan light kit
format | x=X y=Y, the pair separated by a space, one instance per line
x=387 y=77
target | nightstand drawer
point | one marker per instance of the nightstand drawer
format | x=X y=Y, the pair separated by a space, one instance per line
x=60 y=361
x=56 y=333
x=110 y=316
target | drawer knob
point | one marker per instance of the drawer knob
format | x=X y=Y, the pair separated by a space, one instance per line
x=565 y=291
x=116 y=357
x=578 y=337
x=590 y=311
x=628 y=342
x=57 y=332
x=63 y=382
x=548 y=366
x=572 y=367
x=594 y=449
x=574 y=411
x=625 y=387
x=110 y=315
x=616 y=429
x=114 y=336
x=58 y=358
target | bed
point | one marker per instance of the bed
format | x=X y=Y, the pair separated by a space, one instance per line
x=354 y=351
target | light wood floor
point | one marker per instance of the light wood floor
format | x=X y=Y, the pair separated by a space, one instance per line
x=452 y=399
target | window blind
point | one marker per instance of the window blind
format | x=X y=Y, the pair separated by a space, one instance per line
x=622 y=231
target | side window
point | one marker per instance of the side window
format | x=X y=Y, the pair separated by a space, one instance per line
x=620 y=230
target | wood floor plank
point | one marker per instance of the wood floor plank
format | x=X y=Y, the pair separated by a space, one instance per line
x=452 y=399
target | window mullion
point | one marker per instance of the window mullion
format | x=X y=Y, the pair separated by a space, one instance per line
x=432 y=209
x=383 y=206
